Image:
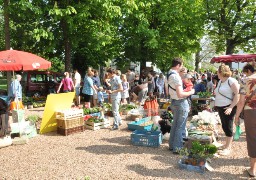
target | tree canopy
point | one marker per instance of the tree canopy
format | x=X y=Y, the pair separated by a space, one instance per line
x=85 y=33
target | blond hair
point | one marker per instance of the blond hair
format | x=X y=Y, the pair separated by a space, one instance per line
x=224 y=70
x=183 y=69
x=123 y=76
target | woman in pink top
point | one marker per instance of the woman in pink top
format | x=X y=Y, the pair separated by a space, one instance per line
x=67 y=83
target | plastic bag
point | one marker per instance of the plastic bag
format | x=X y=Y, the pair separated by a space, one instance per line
x=238 y=133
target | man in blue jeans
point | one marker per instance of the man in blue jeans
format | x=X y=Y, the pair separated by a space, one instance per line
x=179 y=105
x=115 y=92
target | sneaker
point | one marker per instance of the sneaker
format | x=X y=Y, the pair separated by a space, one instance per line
x=224 y=152
x=114 y=128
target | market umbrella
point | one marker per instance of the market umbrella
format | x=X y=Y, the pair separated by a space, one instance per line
x=234 y=58
x=13 y=60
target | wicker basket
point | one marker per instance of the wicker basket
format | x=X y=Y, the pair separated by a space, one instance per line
x=70 y=123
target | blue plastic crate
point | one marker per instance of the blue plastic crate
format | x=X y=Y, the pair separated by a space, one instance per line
x=138 y=125
x=146 y=138
x=199 y=169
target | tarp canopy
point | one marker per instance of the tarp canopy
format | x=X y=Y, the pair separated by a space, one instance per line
x=234 y=58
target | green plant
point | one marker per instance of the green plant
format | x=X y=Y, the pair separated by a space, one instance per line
x=198 y=153
x=33 y=118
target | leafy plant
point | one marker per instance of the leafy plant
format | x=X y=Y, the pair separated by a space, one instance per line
x=33 y=118
x=198 y=152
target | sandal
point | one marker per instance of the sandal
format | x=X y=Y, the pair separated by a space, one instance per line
x=224 y=152
x=249 y=173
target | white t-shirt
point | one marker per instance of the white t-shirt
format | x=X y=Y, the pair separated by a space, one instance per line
x=225 y=89
x=210 y=85
x=77 y=79
x=174 y=80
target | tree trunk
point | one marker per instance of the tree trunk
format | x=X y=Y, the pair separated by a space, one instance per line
x=7 y=38
x=67 y=45
x=197 y=60
x=230 y=47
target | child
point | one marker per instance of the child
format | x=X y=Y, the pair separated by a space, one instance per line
x=187 y=82
x=125 y=93
x=100 y=97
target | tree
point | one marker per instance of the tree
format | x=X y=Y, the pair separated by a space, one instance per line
x=152 y=31
x=232 y=24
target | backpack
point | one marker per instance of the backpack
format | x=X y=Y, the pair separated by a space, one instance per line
x=169 y=86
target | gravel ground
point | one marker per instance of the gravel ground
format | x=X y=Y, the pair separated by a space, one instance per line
x=106 y=154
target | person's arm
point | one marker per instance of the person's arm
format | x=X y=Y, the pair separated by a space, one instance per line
x=59 y=87
x=181 y=93
x=235 y=89
x=240 y=107
x=72 y=84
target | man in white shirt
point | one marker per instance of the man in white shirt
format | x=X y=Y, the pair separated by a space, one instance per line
x=179 y=105
x=77 y=86
x=130 y=78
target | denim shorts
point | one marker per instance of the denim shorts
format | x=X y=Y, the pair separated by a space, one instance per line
x=77 y=91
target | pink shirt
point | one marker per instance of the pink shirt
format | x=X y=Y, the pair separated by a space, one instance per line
x=67 y=84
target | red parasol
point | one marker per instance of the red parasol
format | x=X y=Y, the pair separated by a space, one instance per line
x=234 y=58
x=13 y=60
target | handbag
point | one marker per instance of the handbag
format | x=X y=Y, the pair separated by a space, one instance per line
x=246 y=101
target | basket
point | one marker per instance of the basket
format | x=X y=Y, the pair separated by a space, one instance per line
x=70 y=123
x=142 y=124
x=96 y=126
x=199 y=169
x=146 y=138
x=69 y=113
x=67 y=132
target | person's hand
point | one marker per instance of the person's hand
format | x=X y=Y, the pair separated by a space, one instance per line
x=58 y=91
x=192 y=91
x=237 y=121
x=109 y=91
x=228 y=110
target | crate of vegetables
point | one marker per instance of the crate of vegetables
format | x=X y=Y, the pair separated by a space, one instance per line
x=95 y=123
x=142 y=124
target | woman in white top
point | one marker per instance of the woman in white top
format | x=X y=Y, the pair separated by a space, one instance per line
x=226 y=99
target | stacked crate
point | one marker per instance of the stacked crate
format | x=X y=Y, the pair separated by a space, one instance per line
x=70 y=121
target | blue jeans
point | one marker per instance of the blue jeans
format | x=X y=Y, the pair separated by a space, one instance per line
x=180 y=109
x=115 y=111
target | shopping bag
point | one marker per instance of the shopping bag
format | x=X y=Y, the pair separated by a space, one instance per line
x=16 y=104
x=238 y=133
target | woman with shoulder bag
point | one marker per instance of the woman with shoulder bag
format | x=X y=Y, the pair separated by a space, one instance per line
x=247 y=103
x=225 y=101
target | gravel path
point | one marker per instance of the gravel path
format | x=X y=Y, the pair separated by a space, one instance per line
x=106 y=154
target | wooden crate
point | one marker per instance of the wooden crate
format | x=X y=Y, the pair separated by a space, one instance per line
x=69 y=131
x=97 y=126
x=70 y=123
x=69 y=113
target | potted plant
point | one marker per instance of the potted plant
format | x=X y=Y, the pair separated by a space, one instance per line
x=198 y=153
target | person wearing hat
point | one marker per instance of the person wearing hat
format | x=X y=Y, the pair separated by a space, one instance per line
x=187 y=82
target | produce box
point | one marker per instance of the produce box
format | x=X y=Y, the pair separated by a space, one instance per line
x=18 y=115
x=182 y=165
x=69 y=113
x=69 y=131
x=70 y=123
x=142 y=124
x=96 y=126
x=146 y=138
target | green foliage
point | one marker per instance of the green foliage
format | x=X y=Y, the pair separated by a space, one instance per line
x=199 y=151
x=33 y=118
x=231 y=24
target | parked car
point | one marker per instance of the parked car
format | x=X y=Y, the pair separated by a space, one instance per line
x=40 y=83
